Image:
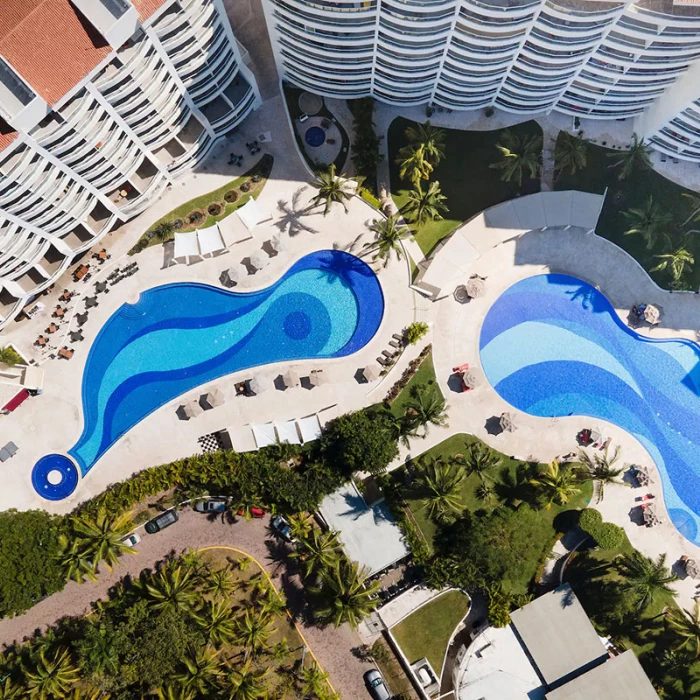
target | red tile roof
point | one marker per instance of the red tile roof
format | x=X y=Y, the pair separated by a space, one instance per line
x=50 y=44
x=147 y=7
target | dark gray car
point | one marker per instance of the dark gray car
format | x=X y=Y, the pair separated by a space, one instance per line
x=376 y=685
x=160 y=522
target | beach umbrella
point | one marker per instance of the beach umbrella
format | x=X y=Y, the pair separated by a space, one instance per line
x=469 y=379
x=692 y=568
x=476 y=287
x=317 y=378
x=507 y=422
x=192 y=409
x=231 y=276
x=652 y=314
x=291 y=378
x=278 y=243
x=372 y=372
x=256 y=386
x=461 y=295
x=259 y=260
x=214 y=397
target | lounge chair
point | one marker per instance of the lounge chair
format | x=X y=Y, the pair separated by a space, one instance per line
x=384 y=362
x=398 y=337
x=394 y=344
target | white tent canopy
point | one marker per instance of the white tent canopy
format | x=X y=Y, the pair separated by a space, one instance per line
x=186 y=245
x=232 y=231
x=287 y=432
x=210 y=240
x=309 y=428
x=251 y=214
x=264 y=434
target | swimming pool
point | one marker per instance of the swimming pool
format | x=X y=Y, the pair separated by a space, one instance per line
x=552 y=345
x=179 y=336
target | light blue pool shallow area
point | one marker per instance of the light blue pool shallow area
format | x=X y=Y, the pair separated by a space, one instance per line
x=552 y=345
x=179 y=336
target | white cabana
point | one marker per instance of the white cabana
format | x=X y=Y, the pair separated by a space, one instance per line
x=210 y=240
x=251 y=214
x=186 y=245
x=287 y=432
x=264 y=434
x=309 y=428
x=259 y=260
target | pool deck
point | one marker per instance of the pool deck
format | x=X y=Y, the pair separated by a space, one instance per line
x=52 y=422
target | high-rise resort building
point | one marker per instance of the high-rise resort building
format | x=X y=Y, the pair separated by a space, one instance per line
x=103 y=103
x=593 y=59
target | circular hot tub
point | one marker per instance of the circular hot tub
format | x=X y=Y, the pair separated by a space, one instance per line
x=315 y=136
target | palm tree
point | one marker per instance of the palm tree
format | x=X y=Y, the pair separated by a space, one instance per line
x=8 y=690
x=570 y=153
x=686 y=623
x=485 y=491
x=252 y=631
x=428 y=407
x=638 y=157
x=402 y=428
x=601 y=468
x=431 y=138
x=414 y=165
x=172 y=588
x=678 y=263
x=645 y=577
x=216 y=622
x=101 y=539
x=388 y=233
x=273 y=603
x=174 y=691
x=245 y=684
x=442 y=481
x=163 y=231
x=76 y=564
x=479 y=459
x=201 y=671
x=649 y=222
x=318 y=551
x=519 y=155
x=425 y=205
x=221 y=583
x=558 y=482
x=301 y=524
x=52 y=676
x=344 y=595
x=314 y=681
x=331 y=188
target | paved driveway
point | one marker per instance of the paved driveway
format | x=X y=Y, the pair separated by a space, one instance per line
x=333 y=647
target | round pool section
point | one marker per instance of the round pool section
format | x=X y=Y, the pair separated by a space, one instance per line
x=329 y=304
x=315 y=136
x=54 y=477
x=552 y=345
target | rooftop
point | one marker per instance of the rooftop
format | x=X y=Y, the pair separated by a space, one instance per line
x=146 y=8
x=621 y=678
x=49 y=44
x=559 y=636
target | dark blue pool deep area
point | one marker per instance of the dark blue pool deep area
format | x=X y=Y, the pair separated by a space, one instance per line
x=178 y=336
x=552 y=345
x=315 y=136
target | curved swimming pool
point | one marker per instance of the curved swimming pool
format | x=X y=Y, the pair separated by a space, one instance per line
x=552 y=345
x=179 y=336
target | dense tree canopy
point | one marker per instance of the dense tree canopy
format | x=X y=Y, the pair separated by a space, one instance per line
x=29 y=569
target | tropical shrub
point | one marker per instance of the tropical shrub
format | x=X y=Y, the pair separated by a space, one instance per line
x=245 y=187
x=215 y=208
x=413 y=367
x=196 y=216
x=231 y=196
x=416 y=331
x=9 y=356
x=606 y=535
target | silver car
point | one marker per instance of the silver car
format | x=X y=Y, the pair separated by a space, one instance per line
x=376 y=685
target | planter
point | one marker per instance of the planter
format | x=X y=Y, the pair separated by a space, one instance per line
x=214 y=209
x=256 y=178
x=178 y=223
x=195 y=217
x=231 y=196
x=245 y=187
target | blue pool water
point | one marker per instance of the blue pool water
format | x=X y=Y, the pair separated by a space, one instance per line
x=178 y=336
x=552 y=345
x=315 y=136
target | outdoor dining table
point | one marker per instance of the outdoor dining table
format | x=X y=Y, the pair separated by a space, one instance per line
x=41 y=340
x=60 y=312
x=81 y=271
x=52 y=328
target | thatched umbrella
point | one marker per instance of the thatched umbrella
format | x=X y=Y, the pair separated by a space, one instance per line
x=469 y=379
x=476 y=287
x=507 y=422
x=230 y=277
x=278 y=243
x=259 y=260
x=190 y=409
x=692 y=568
x=372 y=372
x=213 y=398
x=652 y=314
x=317 y=377
x=255 y=385
x=291 y=378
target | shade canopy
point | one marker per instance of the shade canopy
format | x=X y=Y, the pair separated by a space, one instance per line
x=507 y=422
x=371 y=373
x=652 y=314
x=287 y=432
x=278 y=243
x=476 y=287
x=214 y=397
x=259 y=260
x=461 y=295
x=231 y=276
x=469 y=379
x=264 y=434
x=251 y=214
x=291 y=378
x=186 y=245
x=692 y=568
x=317 y=377
x=309 y=428
x=190 y=409
x=256 y=385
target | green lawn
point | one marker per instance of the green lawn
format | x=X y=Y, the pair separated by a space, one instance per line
x=465 y=177
x=628 y=194
x=424 y=375
x=458 y=444
x=427 y=631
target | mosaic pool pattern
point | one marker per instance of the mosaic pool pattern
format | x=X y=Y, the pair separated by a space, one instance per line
x=552 y=345
x=179 y=336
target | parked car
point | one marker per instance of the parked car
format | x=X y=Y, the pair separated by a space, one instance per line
x=376 y=685
x=255 y=512
x=131 y=540
x=210 y=505
x=160 y=522
x=282 y=528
